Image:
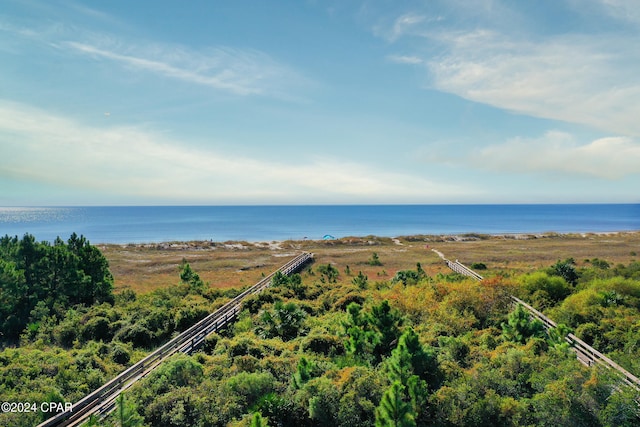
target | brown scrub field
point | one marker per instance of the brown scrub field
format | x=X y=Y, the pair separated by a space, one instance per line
x=145 y=267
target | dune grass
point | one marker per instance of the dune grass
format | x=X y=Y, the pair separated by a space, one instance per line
x=144 y=268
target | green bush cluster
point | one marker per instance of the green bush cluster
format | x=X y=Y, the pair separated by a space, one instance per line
x=320 y=350
x=424 y=353
x=600 y=303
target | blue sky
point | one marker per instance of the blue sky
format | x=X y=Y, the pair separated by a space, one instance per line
x=317 y=102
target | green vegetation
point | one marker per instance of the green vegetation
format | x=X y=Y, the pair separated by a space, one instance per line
x=520 y=327
x=320 y=349
x=374 y=260
x=600 y=303
x=64 y=333
x=40 y=280
x=418 y=353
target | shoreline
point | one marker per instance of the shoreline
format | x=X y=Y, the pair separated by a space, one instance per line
x=414 y=238
x=220 y=224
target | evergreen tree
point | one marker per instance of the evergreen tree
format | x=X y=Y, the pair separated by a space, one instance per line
x=279 y=279
x=361 y=280
x=362 y=339
x=54 y=276
x=420 y=270
x=393 y=411
x=372 y=335
x=410 y=364
x=375 y=260
x=126 y=413
x=520 y=327
x=190 y=277
x=386 y=322
x=558 y=336
x=329 y=273
x=565 y=269
x=400 y=364
x=303 y=372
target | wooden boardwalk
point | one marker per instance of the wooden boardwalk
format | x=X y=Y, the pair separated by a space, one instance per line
x=584 y=352
x=102 y=401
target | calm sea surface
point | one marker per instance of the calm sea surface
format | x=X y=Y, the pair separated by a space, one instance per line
x=140 y=224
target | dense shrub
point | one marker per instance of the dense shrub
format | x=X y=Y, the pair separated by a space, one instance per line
x=544 y=287
x=329 y=345
x=136 y=334
x=96 y=328
x=344 y=302
x=284 y=320
x=120 y=354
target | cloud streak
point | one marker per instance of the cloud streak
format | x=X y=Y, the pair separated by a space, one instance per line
x=404 y=24
x=235 y=71
x=625 y=10
x=576 y=79
x=405 y=59
x=584 y=78
x=611 y=158
x=139 y=163
x=242 y=72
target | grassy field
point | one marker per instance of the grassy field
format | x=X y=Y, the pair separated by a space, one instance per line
x=144 y=268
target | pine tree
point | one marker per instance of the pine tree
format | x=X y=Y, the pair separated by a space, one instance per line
x=558 y=336
x=279 y=279
x=519 y=327
x=126 y=414
x=420 y=271
x=410 y=364
x=362 y=339
x=393 y=411
x=361 y=280
x=386 y=321
x=190 y=277
x=424 y=362
x=303 y=372
x=374 y=260
x=400 y=364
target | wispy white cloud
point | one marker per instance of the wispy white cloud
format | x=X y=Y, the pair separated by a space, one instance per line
x=225 y=69
x=407 y=24
x=237 y=71
x=578 y=79
x=560 y=153
x=588 y=78
x=232 y=70
x=404 y=24
x=405 y=59
x=93 y=13
x=626 y=10
x=133 y=162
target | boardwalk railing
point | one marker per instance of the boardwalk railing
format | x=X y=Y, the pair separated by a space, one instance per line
x=102 y=400
x=458 y=267
x=585 y=353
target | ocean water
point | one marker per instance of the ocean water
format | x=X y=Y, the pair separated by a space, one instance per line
x=147 y=224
